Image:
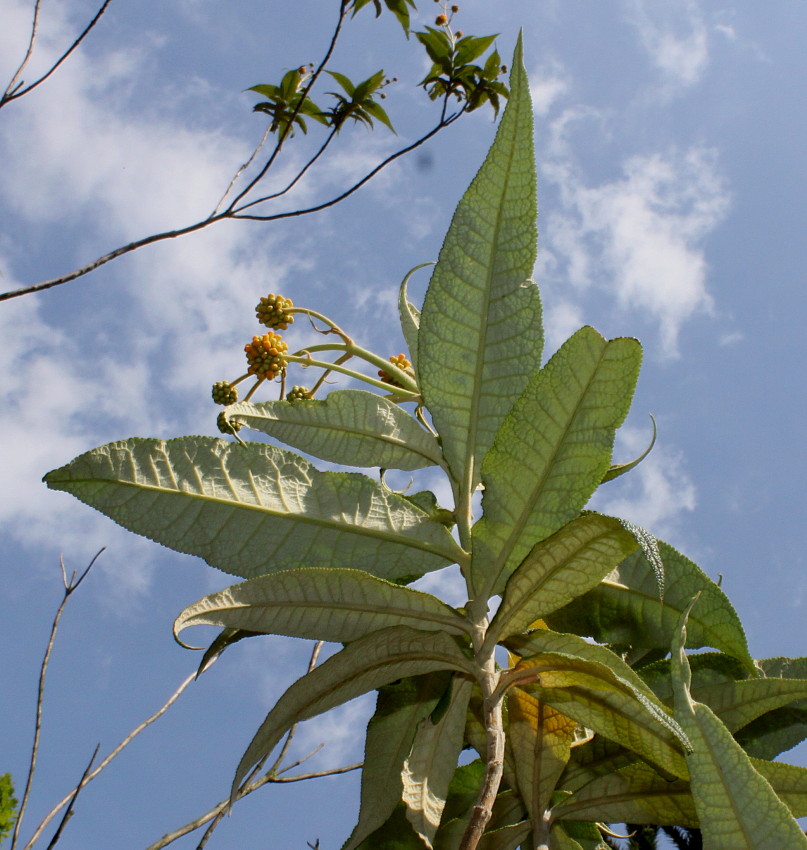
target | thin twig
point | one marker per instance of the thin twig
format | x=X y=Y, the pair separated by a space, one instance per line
x=69 y=587
x=12 y=92
x=69 y=811
x=243 y=168
x=124 y=743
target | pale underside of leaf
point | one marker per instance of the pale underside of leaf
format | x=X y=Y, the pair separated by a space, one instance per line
x=480 y=334
x=252 y=509
x=561 y=568
x=552 y=450
x=410 y=317
x=363 y=665
x=737 y=807
x=625 y=608
x=350 y=427
x=430 y=765
x=320 y=604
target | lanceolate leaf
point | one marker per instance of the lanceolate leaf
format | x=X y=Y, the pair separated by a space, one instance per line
x=480 y=333
x=431 y=764
x=552 y=450
x=561 y=568
x=625 y=608
x=321 y=604
x=253 y=509
x=621 y=468
x=634 y=794
x=736 y=806
x=540 y=737
x=351 y=427
x=788 y=781
x=390 y=732
x=362 y=666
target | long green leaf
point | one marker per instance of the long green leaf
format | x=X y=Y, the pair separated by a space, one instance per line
x=558 y=570
x=480 y=333
x=552 y=450
x=430 y=765
x=351 y=427
x=788 y=781
x=634 y=794
x=593 y=695
x=321 y=604
x=362 y=666
x=252 y=509
x=625 y=608
x=410 y=317
x=737 y=808
x=399 y=709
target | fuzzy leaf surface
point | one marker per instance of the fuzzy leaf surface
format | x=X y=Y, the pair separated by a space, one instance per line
x=350 y=427
x=399 y=709
x=480 y=334
x=552 y=450
x=540 y=738
x=625 y=609
x=431 y=764
x=253 y=509
x=593 y=695
x=362 y=666
x=736 y=806
x=788 y=781
x=559 y=569
x=634 y=794
x=320 y=604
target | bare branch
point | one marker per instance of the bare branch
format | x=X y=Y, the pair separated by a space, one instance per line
x=69 y=812
x=17 y=89
x=69 y=587
x=124 y=743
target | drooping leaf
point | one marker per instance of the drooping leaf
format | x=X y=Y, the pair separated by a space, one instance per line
x=321 y=604
x=736 y=806
x=633 y=794
x=225 y=638
x=399 y=709
x=558 y=570
x=624 y=609
x=351 y=427
x=431 y=763
x=593 y=695
x=552 y=450
x=541 y=738
x=252 y=509
x=362 y=666
x=621 y=468
x=480 y=333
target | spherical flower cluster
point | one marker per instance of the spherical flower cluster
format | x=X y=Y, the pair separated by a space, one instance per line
x=265 y=355
x=298 y=393
x=272 y=311
x=402 y=363
x=441 y=20
x=225 y=426
x=224 y=393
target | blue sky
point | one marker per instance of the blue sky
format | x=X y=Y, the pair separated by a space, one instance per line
x=672 y=180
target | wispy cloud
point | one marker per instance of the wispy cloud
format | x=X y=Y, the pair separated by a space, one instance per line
x=675 y=38
x=641 y=235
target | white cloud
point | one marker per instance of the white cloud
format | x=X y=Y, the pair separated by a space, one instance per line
x=547 y=85
x=641 y=235
x=675 y=38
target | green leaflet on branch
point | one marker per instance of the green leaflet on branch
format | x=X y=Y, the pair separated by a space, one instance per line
x=321 y=604
x=363 y=665
x=736 y=805
x=252 y=509
x=621 y=468
x=410 y=317
x=349 y=427
x=552 y=450
x=480 y=335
